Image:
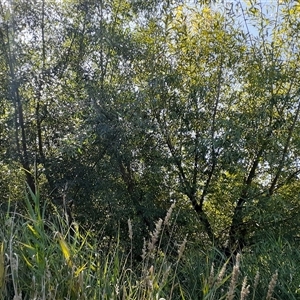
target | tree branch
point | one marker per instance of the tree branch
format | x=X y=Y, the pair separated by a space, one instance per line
x=284 y=153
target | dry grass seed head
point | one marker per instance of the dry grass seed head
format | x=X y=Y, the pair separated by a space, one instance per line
x=130 y=232
x=238 y=260
x=221 y=274
x=211 y=275
x=272 y=285
x=182 y=247
x=168 y=215
x=144 y=252
x=166 y=273
x=245 y=289
x=155 y=235
x=234 y=278
x=149 y=278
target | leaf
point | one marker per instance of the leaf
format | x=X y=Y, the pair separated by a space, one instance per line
x=28 y=246
x=33 y=230
x=254 y=10
x=27 y=261
x=65 y=249
x=79 y=270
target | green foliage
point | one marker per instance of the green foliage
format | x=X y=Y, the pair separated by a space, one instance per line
x=129 y=106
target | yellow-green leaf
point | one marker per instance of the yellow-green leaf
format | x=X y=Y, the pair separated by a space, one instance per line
x=65 y=249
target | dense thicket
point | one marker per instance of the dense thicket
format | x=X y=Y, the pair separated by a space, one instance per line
x=128 y=106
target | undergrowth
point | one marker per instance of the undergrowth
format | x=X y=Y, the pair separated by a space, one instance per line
x=41 y=258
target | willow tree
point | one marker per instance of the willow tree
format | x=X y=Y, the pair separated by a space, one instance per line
x=222 y=95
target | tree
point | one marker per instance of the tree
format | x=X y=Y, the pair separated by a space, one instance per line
x=126 y=107
x=225 y=106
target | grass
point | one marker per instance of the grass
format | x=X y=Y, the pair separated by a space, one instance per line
x=41 y=259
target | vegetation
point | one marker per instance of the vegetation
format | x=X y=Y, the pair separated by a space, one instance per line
x=113 y=111
x=45 y=261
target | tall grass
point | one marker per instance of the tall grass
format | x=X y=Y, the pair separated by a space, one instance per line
x=41 y=259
